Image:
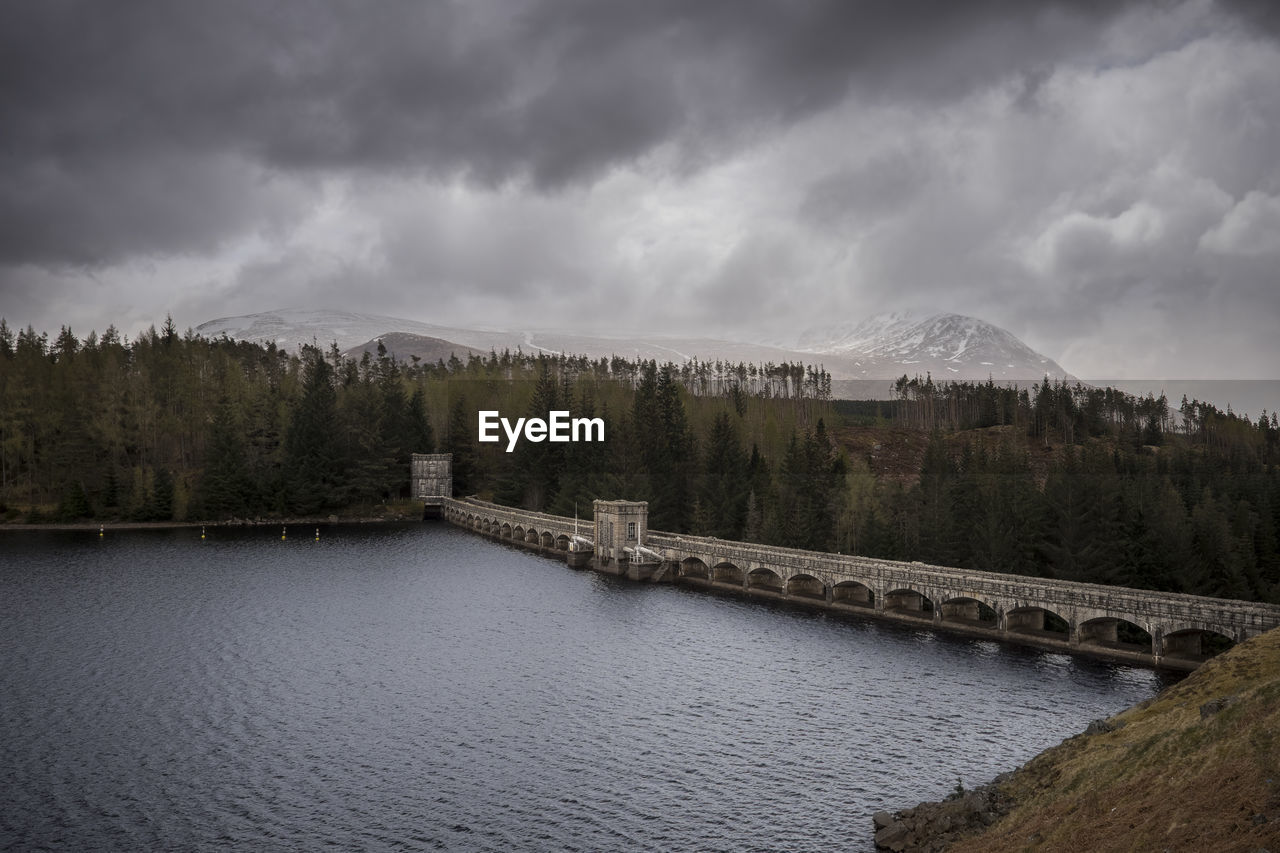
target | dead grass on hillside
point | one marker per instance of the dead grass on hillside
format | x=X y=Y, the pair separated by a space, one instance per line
x=895 y=453
x=1167 y=778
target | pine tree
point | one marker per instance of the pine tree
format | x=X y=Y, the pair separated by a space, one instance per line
x=6 y=340
x=933 y=493
x=1071 y=503
x=225 y=489
x=536 y=466
x=460 y=441
x=312 y=453
x=111 y=490
x=162 y=495
x=753 y=528
x=723 y=493
x=419 y=437
x=141 y=502
x=671 y=458
x=367 y=445
x=75 y=504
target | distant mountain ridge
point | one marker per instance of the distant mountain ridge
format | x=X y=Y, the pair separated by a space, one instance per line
x=884 y=347
x=406 y=347
x=290 y=328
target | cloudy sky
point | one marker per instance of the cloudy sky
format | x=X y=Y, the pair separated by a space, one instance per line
x=1100 y=178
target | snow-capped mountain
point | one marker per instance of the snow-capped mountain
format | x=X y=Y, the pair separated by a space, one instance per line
x=289 y=328
x=945 y=345
x=948 y=346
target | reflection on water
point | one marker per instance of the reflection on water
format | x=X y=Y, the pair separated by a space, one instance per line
x=415 y=687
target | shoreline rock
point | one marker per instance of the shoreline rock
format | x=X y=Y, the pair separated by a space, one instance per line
x=931 y=826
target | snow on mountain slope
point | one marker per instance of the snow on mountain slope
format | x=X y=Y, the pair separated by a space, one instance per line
x=289 y=328
x=946 y=345
x=292 y=327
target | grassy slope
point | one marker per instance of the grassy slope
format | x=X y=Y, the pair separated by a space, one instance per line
x=1166 y=779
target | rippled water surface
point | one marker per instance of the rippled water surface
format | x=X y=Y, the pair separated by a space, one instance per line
x=416 y=687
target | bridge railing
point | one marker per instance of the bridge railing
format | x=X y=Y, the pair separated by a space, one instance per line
x=1021 y=590
x=523 y=517
x=995 y=584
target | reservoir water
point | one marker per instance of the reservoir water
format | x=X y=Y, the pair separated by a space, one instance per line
x=415 y=687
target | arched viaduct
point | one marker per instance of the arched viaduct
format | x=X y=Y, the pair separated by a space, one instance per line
x=1135 y=625
x=524 y=527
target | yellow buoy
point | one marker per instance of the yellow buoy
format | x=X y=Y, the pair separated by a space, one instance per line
x=317 y=534
x=282 y=533
x=202 y=531
x=101 y=532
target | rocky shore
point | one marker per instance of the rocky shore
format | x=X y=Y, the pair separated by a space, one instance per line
x=930 y=827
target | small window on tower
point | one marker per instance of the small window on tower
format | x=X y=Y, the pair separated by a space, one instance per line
x=631 y=530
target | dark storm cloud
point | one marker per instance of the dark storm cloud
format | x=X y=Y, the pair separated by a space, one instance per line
x=150 y=127
x=1262 y=14
x=1071 y=170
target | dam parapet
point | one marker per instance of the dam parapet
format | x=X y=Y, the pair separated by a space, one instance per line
x=1144 y=627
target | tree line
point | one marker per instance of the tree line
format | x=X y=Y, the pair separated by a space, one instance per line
x=176 y=426
x=1173 y=518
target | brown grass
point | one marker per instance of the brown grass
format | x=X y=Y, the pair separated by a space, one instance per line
x=895 y=453
x=1166 y=779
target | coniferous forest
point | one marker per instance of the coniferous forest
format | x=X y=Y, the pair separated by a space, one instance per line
x=1058 y=480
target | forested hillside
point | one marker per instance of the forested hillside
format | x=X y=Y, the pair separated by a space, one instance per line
x=1063 y=481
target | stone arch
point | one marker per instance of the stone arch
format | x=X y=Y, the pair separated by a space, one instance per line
x=968 y=610
x=1194 y=643
x=909 y=602
x=806 y=586
x=1115 y=633
x=562 y=542
x=531 y=536
x=692 y=567
x=505 y=530
x=1033 y=619
x=726 y=572
x=517 y=533
x=765 y=580
x=548 y=539
x=853 y=594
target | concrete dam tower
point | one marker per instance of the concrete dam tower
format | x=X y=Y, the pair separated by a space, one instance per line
x=431 y=475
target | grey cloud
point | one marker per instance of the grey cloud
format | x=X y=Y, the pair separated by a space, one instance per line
x=1263 y=15
x=481 y=143
x=119 y=207
x=885 y=184
x=112 y=104
x=1251 y=228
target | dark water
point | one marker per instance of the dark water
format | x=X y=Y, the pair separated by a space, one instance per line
x=415 y=687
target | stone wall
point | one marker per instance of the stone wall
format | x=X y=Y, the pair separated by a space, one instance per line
x=948 y=597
